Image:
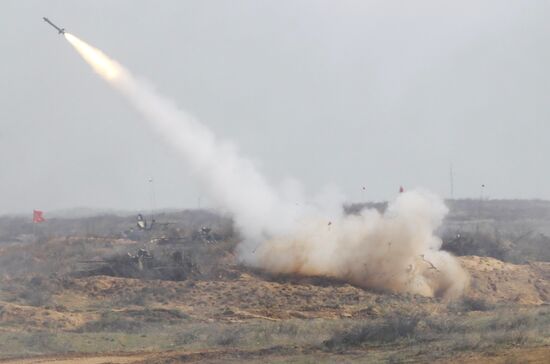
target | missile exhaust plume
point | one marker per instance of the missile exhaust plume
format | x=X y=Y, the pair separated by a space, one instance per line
x=106 y=67
x=394 y=251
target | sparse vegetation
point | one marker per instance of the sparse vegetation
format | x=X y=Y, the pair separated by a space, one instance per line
x=380 y=331
x=467 y=304
x=54 y=298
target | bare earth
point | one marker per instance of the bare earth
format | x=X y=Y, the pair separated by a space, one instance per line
x=243 y=297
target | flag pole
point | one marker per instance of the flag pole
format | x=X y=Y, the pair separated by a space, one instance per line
x=152 y=198
x=34 y=228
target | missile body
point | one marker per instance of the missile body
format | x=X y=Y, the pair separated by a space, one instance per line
x=60 y=30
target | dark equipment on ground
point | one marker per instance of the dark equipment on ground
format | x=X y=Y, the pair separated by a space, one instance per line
x=142 y=223
x=175 y=266
x=206 y=235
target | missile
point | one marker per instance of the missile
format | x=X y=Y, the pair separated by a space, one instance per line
x=60 y=30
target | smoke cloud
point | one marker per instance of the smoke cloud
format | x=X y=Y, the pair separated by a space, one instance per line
x=394 y=251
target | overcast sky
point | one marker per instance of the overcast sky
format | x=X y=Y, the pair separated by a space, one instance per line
x=345 y=93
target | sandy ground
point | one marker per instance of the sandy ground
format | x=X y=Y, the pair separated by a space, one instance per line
x=513 y=355
x=250 y=296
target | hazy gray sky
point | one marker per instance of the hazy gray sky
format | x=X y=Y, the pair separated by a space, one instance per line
x=345 y=93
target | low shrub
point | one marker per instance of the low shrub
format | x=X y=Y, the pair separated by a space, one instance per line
x=386 y=330
x=467 y=304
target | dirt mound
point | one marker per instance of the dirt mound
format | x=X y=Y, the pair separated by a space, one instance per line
x=17 y=317
x=496 y=281
x=106 y=314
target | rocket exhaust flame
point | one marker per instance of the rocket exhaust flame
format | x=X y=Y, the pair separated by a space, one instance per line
x=102 y=64
x=395 y=251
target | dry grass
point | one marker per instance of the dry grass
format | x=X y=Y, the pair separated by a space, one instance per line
x=231 y=313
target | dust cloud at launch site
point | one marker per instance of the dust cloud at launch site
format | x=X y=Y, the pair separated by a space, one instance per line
x=284 y=230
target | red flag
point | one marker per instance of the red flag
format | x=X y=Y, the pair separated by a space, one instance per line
x=37 y=216
x=401 y=189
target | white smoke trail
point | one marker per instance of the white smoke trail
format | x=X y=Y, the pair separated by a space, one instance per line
x=232 y=180
x=395 y=251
